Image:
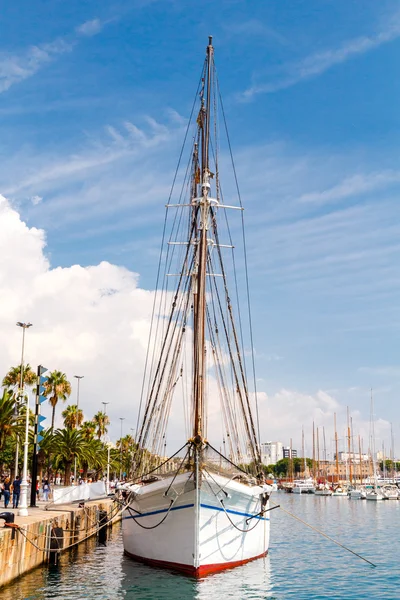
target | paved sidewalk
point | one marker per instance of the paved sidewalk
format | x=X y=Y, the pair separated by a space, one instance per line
x=39 y=513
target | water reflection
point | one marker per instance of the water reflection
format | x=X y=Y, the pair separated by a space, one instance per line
x=301 y=564
x=249 y=581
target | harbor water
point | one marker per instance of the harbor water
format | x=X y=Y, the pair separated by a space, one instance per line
x=301 y=563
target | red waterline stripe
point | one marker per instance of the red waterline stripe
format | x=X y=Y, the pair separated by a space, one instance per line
x=190 y=570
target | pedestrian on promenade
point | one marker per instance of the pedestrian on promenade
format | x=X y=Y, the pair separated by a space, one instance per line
x=6 y=491
x=16 y=491
x=46 y=490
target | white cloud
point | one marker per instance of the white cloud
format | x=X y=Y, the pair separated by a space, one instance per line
x=353 y=186
x=252 y=28
x=319 y=62
x=87 y=320
x=14 y=68
x=90 y=28
x=94 y=321
x=19 y=66
x=36 y=200
x=284 y=413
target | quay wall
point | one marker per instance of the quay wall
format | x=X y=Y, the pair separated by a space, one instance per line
x=28 y=544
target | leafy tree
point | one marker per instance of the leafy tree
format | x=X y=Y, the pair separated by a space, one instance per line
x=57 y=387
x=7 y=416
x=281 y=468
x=68 y=445
x=46 y=448
x=126 y=447
x=87 y=430
x=13 y=377
x=7 y=453
x=97 y=458
x=72 y=416
x=101 y=421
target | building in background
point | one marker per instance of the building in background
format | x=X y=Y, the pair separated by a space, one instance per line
x=271 y=452
x=354 y=457
x=286 y=452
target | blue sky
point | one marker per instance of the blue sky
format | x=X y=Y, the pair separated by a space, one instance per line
x=94 y=97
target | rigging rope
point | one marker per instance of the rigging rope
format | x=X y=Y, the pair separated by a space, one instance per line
x=162 y=245
x=245 y=263
x=22 y=530
x=328 y=537
x=150 y=526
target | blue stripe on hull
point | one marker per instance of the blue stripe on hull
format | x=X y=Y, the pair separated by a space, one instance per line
x=233 y=512
x=208 y=506
x=158 y=512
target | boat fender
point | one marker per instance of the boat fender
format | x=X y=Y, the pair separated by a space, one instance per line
x=8 y=517
x=264 y=499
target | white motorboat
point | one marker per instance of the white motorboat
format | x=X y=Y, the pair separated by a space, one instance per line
x=303 y=486
x=357 y=494
x=201 y=510
x=375 y=495
x=323 y=489
x=390 y=492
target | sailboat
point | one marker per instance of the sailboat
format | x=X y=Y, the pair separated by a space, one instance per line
x=375 y=493
x=205 y=508
x=305 y=485
x=323 y=487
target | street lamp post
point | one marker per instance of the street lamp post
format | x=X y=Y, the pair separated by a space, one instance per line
x=78 y=377
x=120 y=471
x=108 y=467
x=23 y=512
x=108 y=451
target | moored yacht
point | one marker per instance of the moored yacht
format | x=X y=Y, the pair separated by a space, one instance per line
x=390 y=492
x=303 y=486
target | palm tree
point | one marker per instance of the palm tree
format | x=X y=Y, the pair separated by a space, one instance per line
x=57 y=387
x=87 y=429
x=101 y=422
x=46 y=448
x=127 y=447
x=7 y=417
x=72 y=416
x=97 y=456
x=68 y=445
x=13 y=377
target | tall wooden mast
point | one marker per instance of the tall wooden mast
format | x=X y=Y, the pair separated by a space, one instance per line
x=349 y=446
x=313 y=450
x=199 y=303
x=337 y=450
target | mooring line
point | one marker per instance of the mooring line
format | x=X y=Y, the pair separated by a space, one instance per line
x=328 y=537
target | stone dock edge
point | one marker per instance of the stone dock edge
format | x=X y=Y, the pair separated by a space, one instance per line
x=35 y=539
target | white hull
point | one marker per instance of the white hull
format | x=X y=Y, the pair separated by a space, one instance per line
x=390 y=492
x=323 y=492
x=357 y=495
x=375 y=496
x=196 y=532
x=303 y=487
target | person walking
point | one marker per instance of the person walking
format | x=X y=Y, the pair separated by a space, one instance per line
x=16 y=490
x=46 y=490
x=6 y=491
